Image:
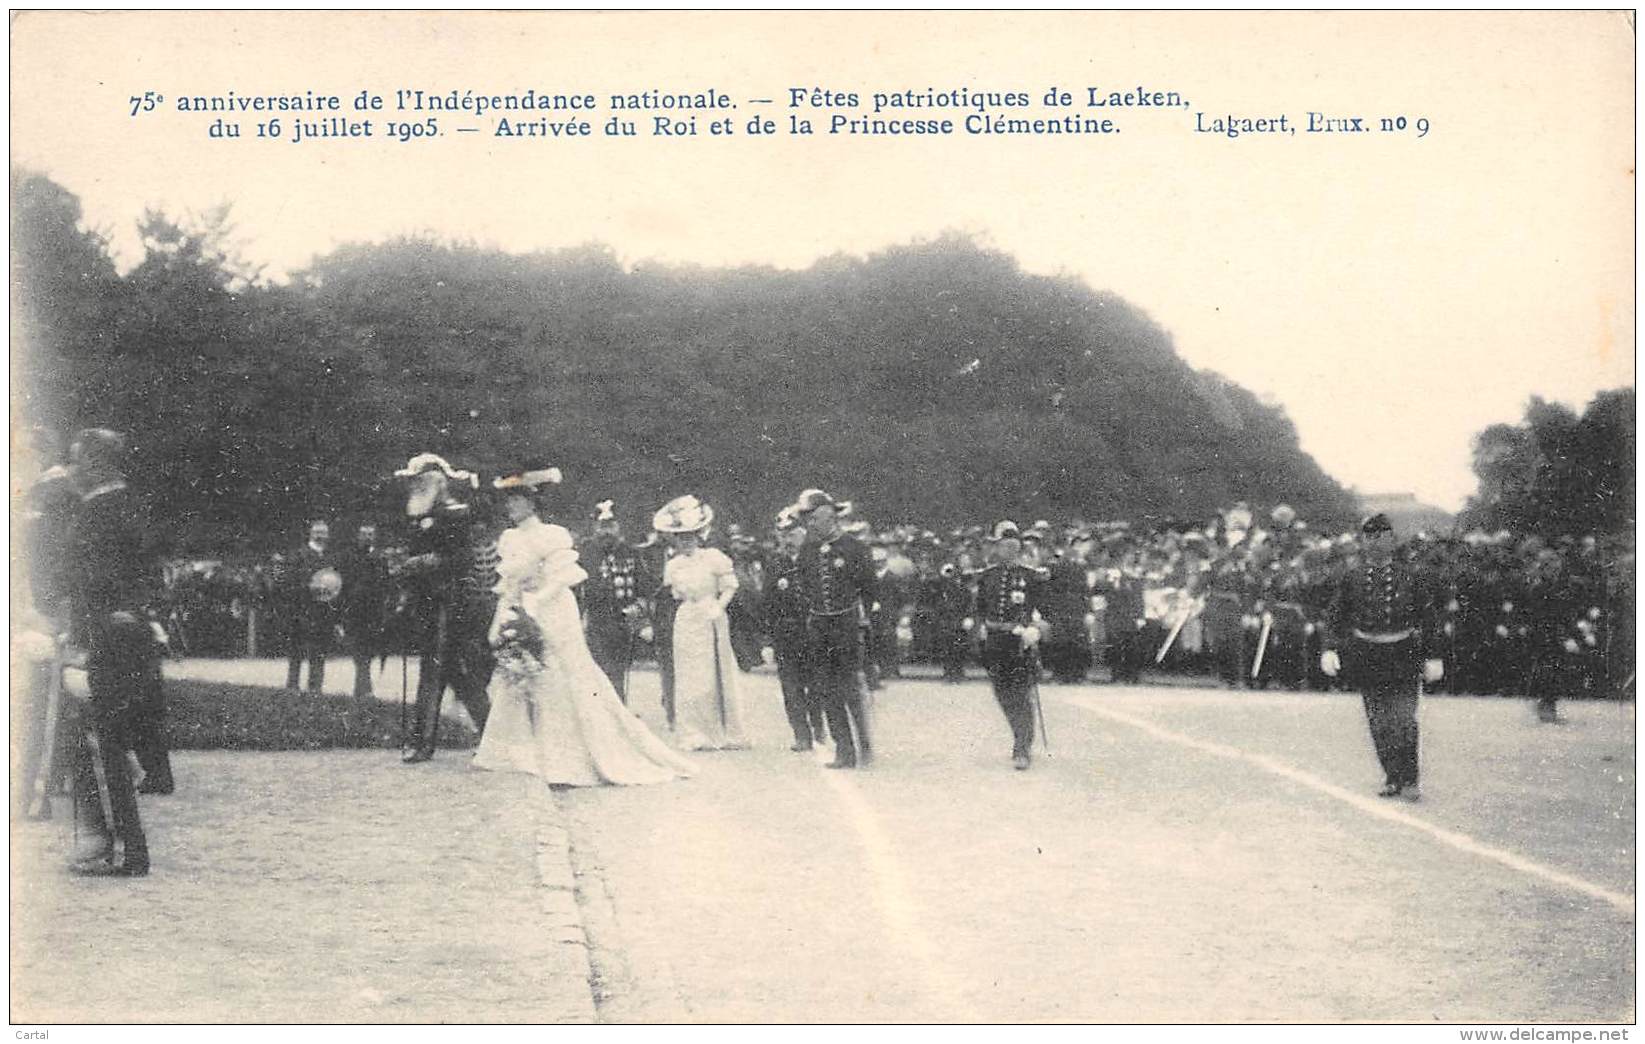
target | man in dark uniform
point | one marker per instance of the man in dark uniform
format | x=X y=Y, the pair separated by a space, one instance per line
x=611 y=597
x=48 y=523
x=1378 y=636
x=447 y=573
x=365 y=603
x=663 y=605
x=311 y=587
x=950 y=601
x=1228 y=616
x=114 y=585
x=1008 y=627
x=1124 y=617
x=1068 y=601
x=837 y=581
x=785 y=621
x=884 y=656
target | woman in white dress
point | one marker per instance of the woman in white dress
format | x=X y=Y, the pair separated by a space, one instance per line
x=707 y=711
x=554 y=713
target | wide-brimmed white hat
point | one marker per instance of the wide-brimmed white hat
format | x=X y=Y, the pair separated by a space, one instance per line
x=684 y=514
x=424 y=462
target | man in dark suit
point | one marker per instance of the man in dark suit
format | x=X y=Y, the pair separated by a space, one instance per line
x=114 y=586
x=1008 y=621
x=450 y=573
x=836 y=577
x=1377 y=636
x=659 y=631
x=611 y=597
x=785 y=610
x=310 y=588
x=365 y=603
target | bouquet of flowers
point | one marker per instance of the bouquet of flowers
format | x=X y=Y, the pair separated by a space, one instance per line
x=520 y=646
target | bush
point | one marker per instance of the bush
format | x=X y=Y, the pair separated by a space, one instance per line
x=215 y=716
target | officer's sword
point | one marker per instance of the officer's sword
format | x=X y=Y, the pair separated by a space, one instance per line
x=1262 y=644
x=54 y=710
x=1171 y=639
x=1034 y=690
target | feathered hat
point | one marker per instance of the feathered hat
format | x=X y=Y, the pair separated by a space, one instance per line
x=684 y=514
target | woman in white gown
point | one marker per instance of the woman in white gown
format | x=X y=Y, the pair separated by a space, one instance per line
x=554 y=713
x=707 y=711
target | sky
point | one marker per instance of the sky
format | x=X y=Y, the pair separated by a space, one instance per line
x=1394 y=293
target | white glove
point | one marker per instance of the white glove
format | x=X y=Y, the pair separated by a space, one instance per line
x=1433 y=670
x=1570 y=645
x=161 y=638
x=1330 y=663
x=1501 y=631
x=968 y=623
x=1030 y=637
x=768 y=654
x=646 y=633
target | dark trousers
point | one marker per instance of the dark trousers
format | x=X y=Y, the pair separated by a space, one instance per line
x=364 y=640
x=612 y=645
x=121 y=671
x=954 y=645
x=1388 y=680
x=454 y=655
x=805 y=715
x=1228 y=648
x=1125 y=652
x=310 y=639
x=1012 y=672
x=662 y=642
x=1068 y=654
x=833 y=658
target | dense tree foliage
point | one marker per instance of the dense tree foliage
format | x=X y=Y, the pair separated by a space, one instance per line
x=930 y=382
x=1557 y=473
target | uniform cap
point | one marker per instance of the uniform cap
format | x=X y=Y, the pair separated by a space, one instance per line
x=1006 y=530
x=811 y=499
x=1377 y=523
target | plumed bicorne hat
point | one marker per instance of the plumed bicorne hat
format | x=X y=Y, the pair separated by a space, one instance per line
x=527 y=479
x=426 y=462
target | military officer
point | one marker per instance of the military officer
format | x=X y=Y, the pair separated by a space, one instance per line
x=837 y=582
x=451 y=570
x=1377 y=635
x=113 y=586
x=1008 y=622
x=612 y=612
x=785 y=610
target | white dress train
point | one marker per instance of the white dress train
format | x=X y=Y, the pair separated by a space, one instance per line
x=559 y=718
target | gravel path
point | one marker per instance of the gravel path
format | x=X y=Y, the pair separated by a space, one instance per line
x=311 y=887
x=1127 y=878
